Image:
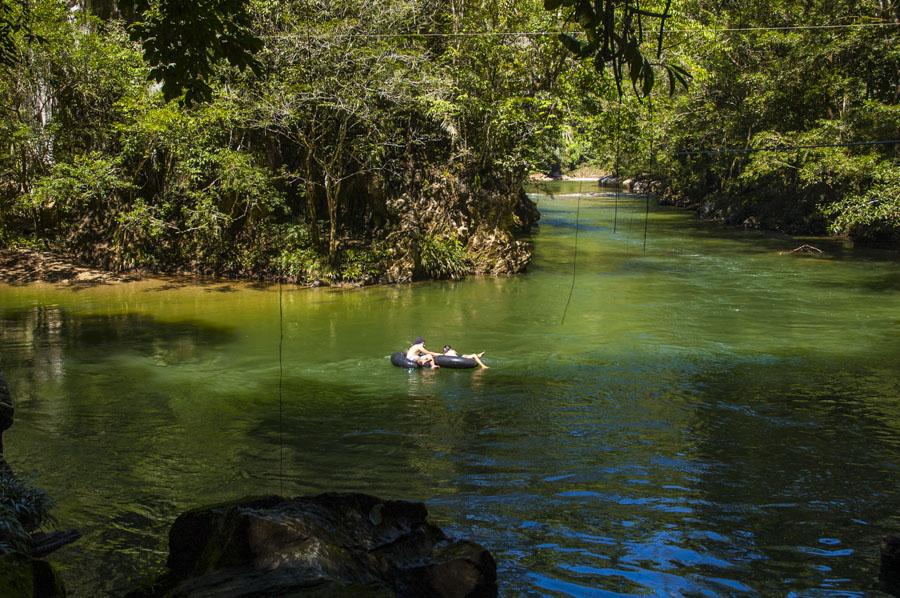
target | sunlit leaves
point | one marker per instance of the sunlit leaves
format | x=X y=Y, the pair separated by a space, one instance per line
x=875 y=213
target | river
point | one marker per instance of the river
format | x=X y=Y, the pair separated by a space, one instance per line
x=713 y=415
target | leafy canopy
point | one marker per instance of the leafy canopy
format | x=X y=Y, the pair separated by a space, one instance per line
x=616 y=32
x=182 y=41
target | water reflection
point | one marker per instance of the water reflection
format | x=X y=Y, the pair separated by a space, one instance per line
x=90 y=409
x=712 y=418
x=37 y=332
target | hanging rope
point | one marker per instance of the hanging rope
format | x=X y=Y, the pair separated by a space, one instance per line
x=652 y=170
x=616 y=167
x=280 y=387
x=574 y=253
x=781 y=148
x=556 y=32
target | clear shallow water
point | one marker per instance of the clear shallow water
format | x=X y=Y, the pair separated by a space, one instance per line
x=711 y=418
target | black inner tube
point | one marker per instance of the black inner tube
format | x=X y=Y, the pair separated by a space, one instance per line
x=455 y=361
x=399 y=359
x=445 y=361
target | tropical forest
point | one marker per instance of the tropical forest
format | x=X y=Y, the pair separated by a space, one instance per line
x=449 y=297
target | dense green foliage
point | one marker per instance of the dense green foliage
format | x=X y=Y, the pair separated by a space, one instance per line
x=182 y=41
x=332 y=159
x=756 y=87
x=382 y=141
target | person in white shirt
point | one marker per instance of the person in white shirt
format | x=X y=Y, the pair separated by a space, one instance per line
x=422 y=356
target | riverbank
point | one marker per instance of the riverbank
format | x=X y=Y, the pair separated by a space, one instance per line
x=582 y=173
x=22 y=266
x=445 y=232
x=454 y=245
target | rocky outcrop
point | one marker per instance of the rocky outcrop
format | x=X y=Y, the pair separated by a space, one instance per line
x=496 y=252
x=442 y=206
x=643 y=184
x=326 y=545
x=890 y=564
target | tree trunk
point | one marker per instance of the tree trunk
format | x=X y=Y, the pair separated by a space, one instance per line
x=332 y=196
x=311 y=211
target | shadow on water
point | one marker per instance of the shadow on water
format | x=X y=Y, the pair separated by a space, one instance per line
x=211 y=285
x=107 y=434
x=877 y=282
x=806 y=494
x=762 y=241
x=106 y=335
x=566 y=223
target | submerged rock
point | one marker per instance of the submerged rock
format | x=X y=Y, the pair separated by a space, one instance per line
x=326 y=545
x=609 y=180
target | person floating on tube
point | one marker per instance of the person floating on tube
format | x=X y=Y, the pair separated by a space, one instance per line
x=419 y=354
x=451 y=352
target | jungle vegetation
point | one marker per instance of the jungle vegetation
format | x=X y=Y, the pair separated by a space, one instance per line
x=814 y=85
x=343 y=140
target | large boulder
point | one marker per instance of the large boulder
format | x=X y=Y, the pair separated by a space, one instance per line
x=497 y=253
x=326 y=545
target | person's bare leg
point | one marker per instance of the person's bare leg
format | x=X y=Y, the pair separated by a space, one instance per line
x=477 y=359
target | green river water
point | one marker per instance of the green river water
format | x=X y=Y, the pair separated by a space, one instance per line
x=712 y=417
